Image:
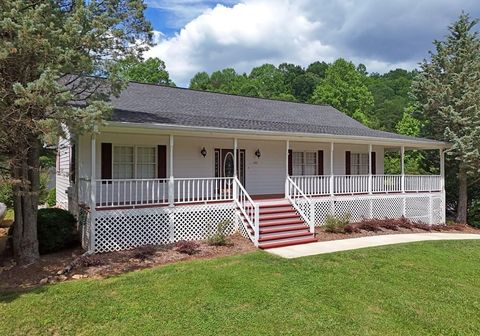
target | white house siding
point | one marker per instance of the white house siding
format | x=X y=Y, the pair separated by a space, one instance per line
x=264 y=175
x=63 y=172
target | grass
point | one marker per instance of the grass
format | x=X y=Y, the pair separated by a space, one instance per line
x=427 y=288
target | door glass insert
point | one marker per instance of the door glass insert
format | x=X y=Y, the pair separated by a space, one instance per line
x=228 y=165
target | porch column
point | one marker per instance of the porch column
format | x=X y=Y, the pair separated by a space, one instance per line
x=370 y=179
x=171 y=182
x=402 y=162
x=442 y=183
x=93 y=189
x=235 y=145
x=287 y=148
x=332 y=192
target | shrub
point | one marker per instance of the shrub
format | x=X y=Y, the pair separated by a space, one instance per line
x=6 y=193
x=220 y=237
x=51 y=198
x=144 y=252
x=186 y=247
x=336 y=224
x=56 y=229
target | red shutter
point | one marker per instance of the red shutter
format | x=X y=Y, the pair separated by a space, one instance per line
x=320 y=163
x=106 y=161
x=162 y=161
x=290 y=166
x=374 y=163
x=348 y=164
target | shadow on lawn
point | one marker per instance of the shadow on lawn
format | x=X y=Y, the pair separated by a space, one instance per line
x=10 y=295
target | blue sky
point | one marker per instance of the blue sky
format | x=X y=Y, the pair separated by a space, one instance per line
x=205 y=35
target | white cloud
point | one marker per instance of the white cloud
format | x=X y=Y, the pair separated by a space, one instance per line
x=395 y=34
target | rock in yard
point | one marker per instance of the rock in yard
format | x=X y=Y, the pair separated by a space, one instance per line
x=44 y=281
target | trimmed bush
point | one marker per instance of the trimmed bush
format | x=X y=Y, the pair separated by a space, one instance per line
x=56 y=229
x=336 y=224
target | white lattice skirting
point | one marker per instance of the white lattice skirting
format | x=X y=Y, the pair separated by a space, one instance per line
x=122 y=229
x=425 y=208
x=127 y=228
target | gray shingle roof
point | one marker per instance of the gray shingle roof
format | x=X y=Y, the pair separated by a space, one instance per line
x=145 y=103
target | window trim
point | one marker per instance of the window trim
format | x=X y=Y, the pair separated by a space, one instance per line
x=135 y=160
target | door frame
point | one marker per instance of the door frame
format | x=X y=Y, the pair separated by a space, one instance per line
x=219 y=157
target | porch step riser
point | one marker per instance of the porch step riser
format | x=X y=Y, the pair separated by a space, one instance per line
x=284 y=229
x=283 y=236
x=286 y=242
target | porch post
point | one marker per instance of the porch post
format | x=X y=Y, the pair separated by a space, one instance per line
x=442 y=183
x=402 y=162
x=287 y=148
x=332 y=192
x=235 y=145
x=171 y=182
x=93 y=189
x=370 y=178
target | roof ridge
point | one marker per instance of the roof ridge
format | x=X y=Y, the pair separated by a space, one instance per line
x=228 y=94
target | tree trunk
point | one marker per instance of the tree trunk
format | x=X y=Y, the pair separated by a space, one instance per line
x=26 y=175
x=462 y=196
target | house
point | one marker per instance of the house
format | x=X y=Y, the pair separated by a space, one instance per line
x=173 y=164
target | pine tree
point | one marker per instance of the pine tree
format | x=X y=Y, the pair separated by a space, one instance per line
x=447 y=91
x=46 y=50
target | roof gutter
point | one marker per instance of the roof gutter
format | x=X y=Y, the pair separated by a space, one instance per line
x=219 y=130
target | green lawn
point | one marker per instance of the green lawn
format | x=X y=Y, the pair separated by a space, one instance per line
x=430 y=288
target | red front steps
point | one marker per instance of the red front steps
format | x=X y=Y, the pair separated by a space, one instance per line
x=280 y=225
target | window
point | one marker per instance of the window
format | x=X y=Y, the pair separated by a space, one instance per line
x=359 y=163
x=134 y=162
x=304 y=163
x=146 y=162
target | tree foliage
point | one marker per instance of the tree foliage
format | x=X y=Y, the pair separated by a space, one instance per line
x=447 y=92
x=46 y=50
x=151 y=70
x=344 y=88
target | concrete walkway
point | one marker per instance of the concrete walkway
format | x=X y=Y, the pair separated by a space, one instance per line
x=297 y=251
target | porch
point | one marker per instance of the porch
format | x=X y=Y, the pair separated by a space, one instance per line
x=273 y=191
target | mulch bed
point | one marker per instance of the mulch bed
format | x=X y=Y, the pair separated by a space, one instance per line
x=322 y=235
x=54 y=267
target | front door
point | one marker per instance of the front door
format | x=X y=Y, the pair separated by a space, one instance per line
x=224 y=163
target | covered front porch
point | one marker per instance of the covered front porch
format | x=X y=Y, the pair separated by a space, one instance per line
x=171 y=170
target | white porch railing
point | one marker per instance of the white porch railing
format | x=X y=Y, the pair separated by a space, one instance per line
x=130 y=192
x=204 y=189
x=134 y=192
x=249 y=209
x=313 y=185
x=300 y=202
x=386 y=183
x=350 y=184
x=422 y=183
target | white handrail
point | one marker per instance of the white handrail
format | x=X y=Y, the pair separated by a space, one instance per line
x=249 y=209
x=294 y=193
